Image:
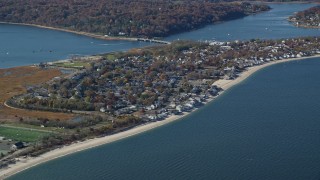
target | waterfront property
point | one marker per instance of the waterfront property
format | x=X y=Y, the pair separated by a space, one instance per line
x=153 y=83
x=267 y=124
x=309 y=18
x=148 y=85
x=202 y=143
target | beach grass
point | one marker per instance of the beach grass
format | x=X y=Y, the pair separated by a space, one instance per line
x=13 y=81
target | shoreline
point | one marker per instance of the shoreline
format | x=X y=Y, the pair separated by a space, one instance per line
x=27 y=163
x=293 y=2
x=297 y=24
x=92 y=35
x=74 y=32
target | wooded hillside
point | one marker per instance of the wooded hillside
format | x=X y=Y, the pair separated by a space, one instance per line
x=307 y=18
x=136 y=18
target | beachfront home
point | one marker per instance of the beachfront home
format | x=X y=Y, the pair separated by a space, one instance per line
x=18 y=145
x=102 y=109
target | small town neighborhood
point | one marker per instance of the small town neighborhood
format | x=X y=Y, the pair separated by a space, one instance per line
x=154 y=83
x=308 y=18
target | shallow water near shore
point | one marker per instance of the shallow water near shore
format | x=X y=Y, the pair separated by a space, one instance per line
x=26 y=45
x=267 y=127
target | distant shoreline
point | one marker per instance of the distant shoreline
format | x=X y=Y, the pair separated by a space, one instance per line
x=27 y=163
x=297 y=24
x=96 y=36
x=292 y=2
x=74 y=32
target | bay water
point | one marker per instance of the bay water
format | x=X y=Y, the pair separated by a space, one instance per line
x=26 y=45
x=272 y=24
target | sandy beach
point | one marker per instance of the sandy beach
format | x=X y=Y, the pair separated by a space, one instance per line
x=76 y=147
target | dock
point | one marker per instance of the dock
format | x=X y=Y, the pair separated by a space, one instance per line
x=153 y=41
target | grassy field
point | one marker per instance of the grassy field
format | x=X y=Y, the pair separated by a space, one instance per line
x=110 y=56
x=72 y=64
x=13 y=81
x=4 y=152
x=22 y=134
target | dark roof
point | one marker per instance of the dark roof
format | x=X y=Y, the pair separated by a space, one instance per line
x=19 y=144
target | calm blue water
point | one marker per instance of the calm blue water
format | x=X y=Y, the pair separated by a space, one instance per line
x=268 y=127
x=269 y=25
x=24 y=45
x=264 y=128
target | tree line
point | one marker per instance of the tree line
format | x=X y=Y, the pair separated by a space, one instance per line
x=136 y=18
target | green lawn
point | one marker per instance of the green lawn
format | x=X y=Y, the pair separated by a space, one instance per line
x=4 y=152
x=18 y=134
x=111 y=57
x=72 y=64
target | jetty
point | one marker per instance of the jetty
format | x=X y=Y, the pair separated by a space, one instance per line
x=153 y=41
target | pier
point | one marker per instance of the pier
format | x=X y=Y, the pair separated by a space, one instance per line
x=153 y=41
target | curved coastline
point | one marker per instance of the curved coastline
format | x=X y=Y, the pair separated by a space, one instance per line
x=96 y=36
x=26 y=163
x=74 y=32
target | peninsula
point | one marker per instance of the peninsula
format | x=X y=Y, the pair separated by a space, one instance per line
x=49 y=110
x=234 y=68
x=309 y=18
x=140 y=88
